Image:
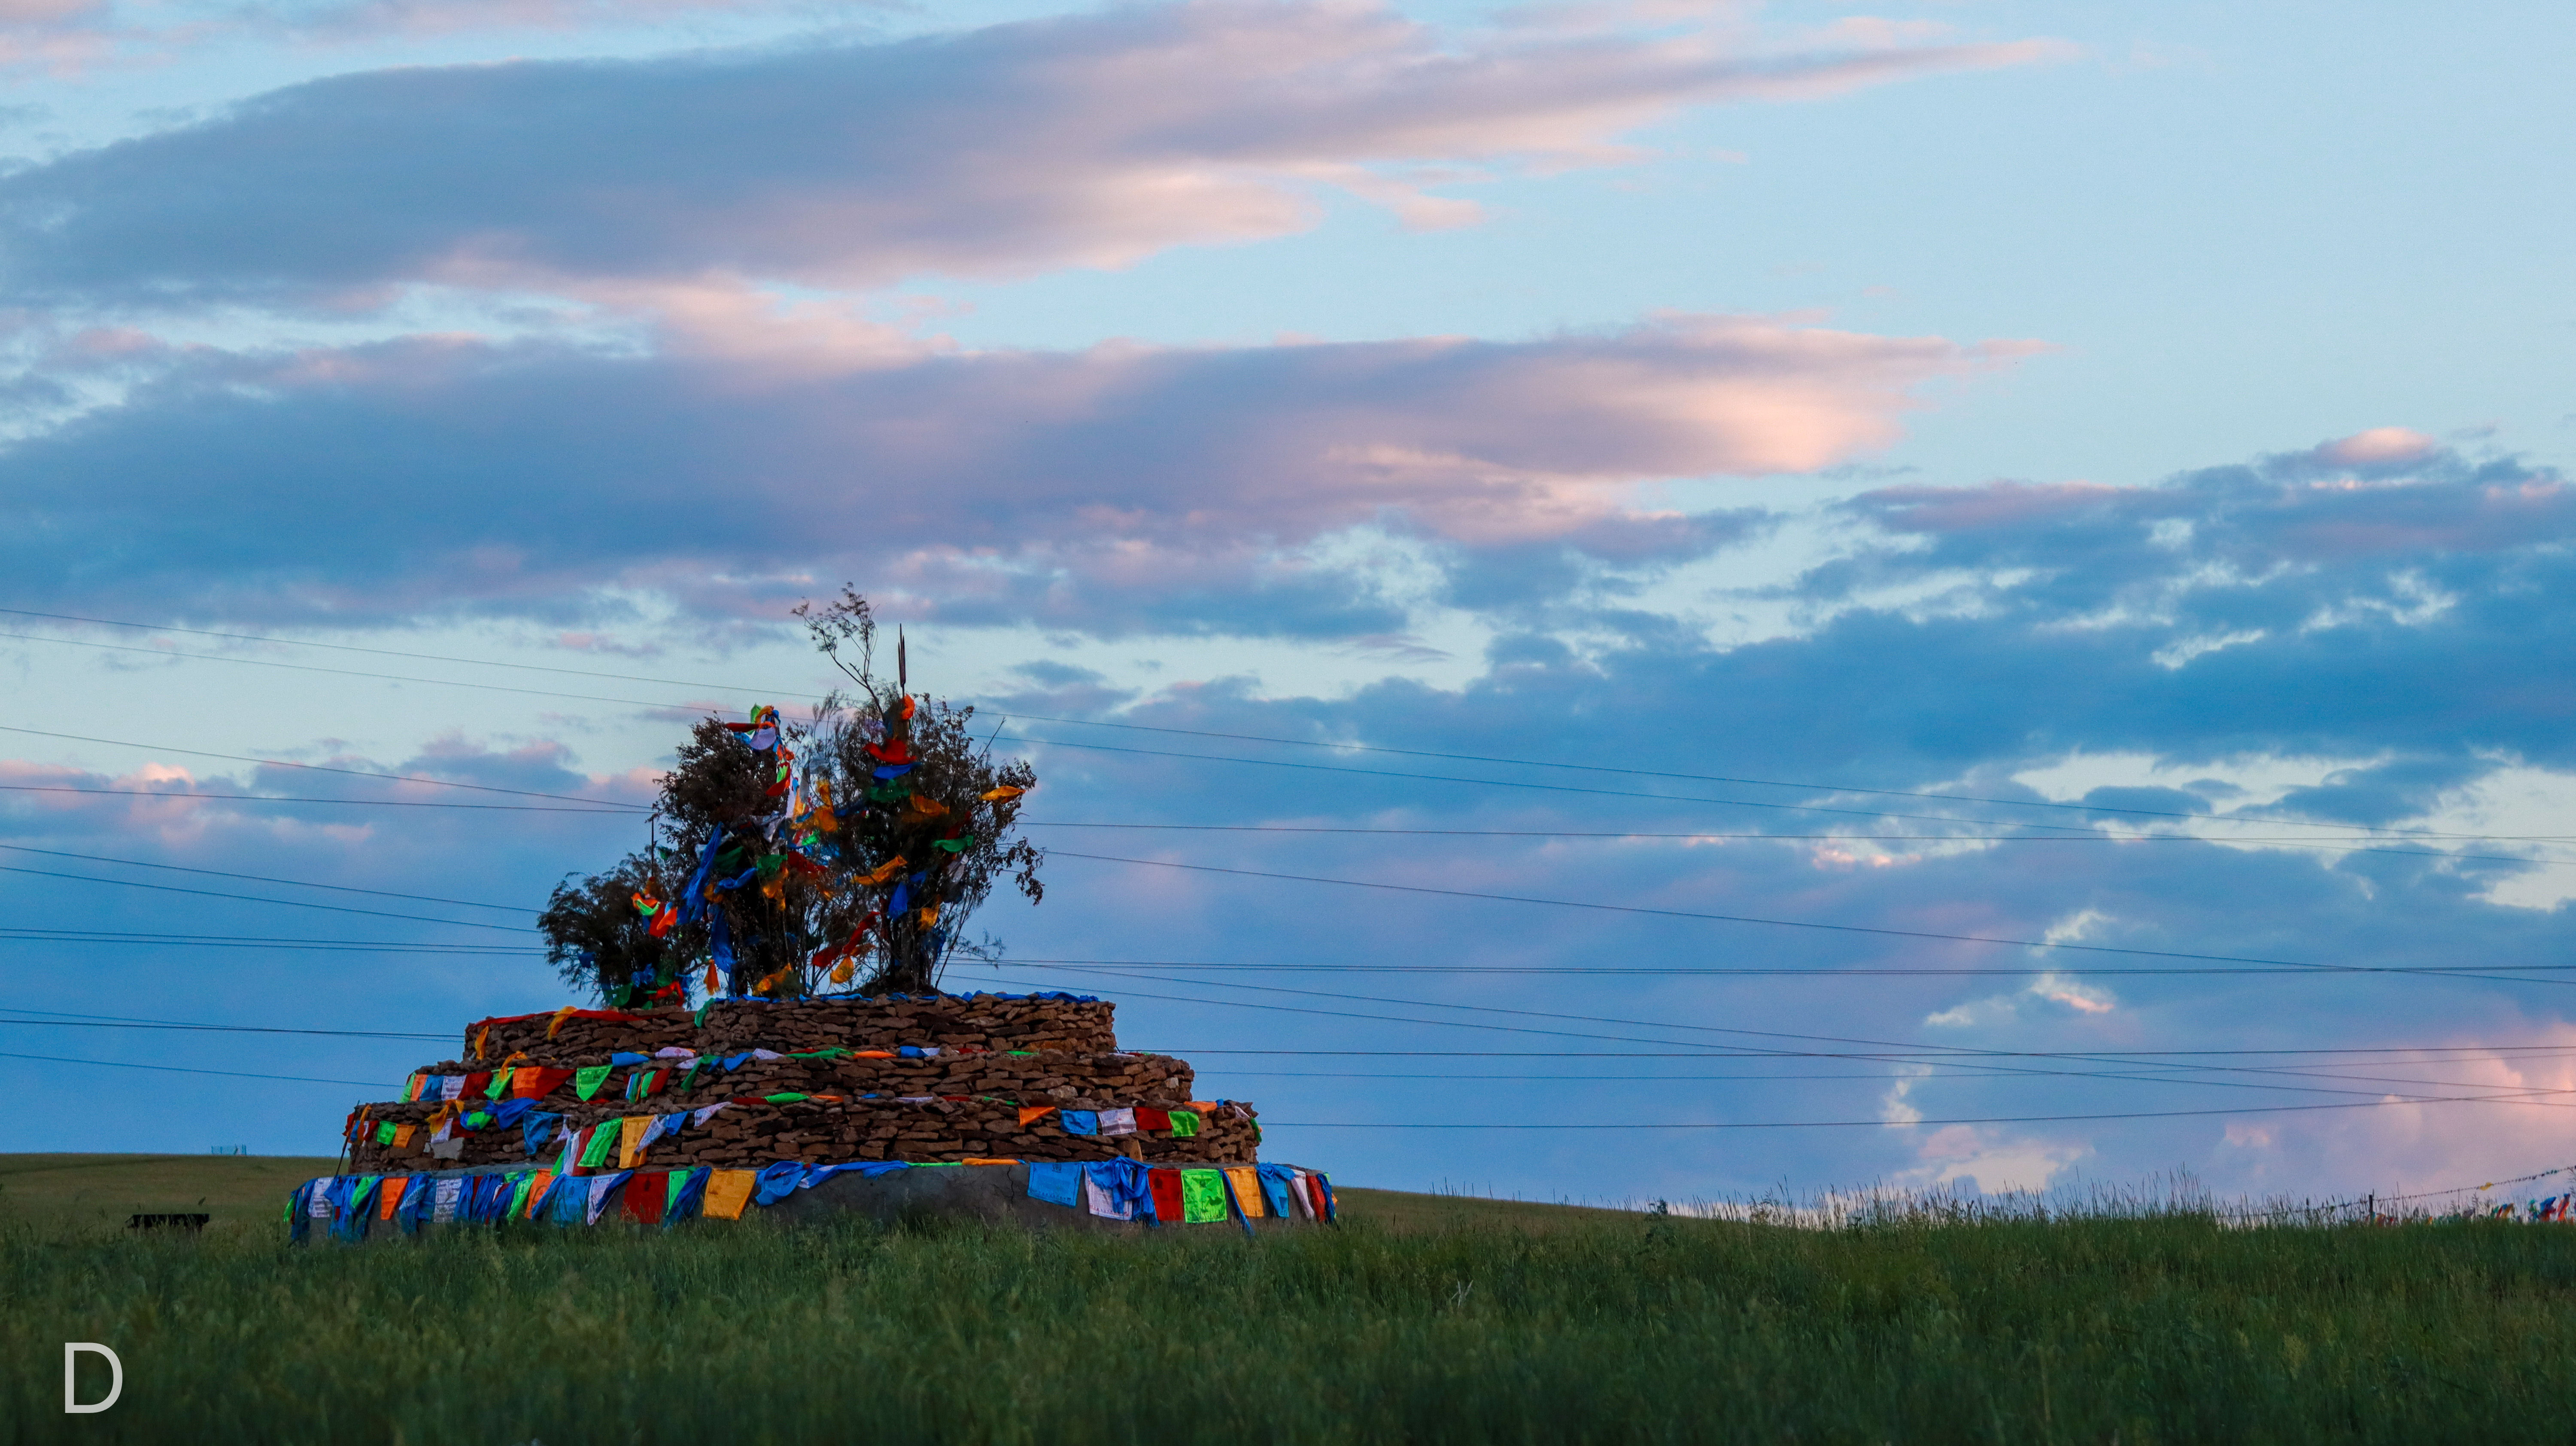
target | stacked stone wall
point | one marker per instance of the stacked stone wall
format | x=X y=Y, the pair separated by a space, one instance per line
x=950 y=1080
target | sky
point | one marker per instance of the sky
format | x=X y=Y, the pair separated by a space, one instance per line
x=1612 y=602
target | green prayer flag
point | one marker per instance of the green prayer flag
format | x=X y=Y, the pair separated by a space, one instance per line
x=500 y=1084
x=672 y=1189
x=699 y=1020
x=784 y=1098
x=587 y=1079
x=1185 y=1123
x=1202 y=1197
x=519 y=1198
x=385 y=1132
x=602 y=1144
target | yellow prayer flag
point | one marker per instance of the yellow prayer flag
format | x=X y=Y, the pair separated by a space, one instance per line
x=630 y=1136
x=728 y=1191
x=1247 y=1190
x=998 y=794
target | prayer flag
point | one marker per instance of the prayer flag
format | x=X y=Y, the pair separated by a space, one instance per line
x=389 y=1195
x=450 y=1085
x=1153 y=1119
x=1055 y=1184
x=518 y=1205
x=538 y=1187
x=1185 y=1123
x=777 y=1182
x=647 y=1194
x=531 y=1083
x=603 y=1190
x=1247 y=1190
x=1080 y=1122
x=500 y=1084
x=1031 y=1114
x=1202 y=1197
x=1118 y=1122
x=603 y=1138
x=475 y=1082
x=403 y=1134
x=630 y=1138
x=1165 y=1182
x=442 y=1210
x=1104 y=1204
x=587 y=1079
x=385 y=1132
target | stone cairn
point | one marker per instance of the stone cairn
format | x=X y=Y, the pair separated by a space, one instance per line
x=925 y=1079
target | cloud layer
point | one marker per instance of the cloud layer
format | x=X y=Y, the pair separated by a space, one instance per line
x=1106 y=488
x=1090 y=140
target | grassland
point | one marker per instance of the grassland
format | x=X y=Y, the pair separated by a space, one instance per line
x=1422 y=1320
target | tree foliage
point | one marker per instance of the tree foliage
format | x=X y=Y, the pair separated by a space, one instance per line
x=848 y=847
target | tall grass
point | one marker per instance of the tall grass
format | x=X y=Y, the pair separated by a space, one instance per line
x=2148 y=1328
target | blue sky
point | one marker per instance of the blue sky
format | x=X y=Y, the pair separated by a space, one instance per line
x=2035 y=472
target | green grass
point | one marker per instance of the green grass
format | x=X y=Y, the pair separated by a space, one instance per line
x=1421 y=1320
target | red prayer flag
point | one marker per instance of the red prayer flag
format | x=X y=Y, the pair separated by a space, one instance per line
x=1153 y=1119
x=532 y=1084
x=1165 y=1182
x=475 y=1084
x=646 y=1193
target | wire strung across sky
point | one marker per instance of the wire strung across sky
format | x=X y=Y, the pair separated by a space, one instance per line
x=1013 y=713
x=1954 y=1057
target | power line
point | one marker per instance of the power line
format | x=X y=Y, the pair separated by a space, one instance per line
x=1958 y=1057
x=1623 y=792
x=182 y=941
x=256 y=899
x=1757 y=971
x=2317 y=845
x=605 y=803
x=1632 y=1124
x=265 y=879
x=1870 y=929
x=180 y=1069
x=385 y=652
x=290 y=798
x=114 y=1023
x=337 y=672
x=1694 y=777
x=1556 y=764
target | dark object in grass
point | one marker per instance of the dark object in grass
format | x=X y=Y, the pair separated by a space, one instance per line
x=167 y=1222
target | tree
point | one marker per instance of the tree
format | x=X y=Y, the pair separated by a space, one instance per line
x=853 y=845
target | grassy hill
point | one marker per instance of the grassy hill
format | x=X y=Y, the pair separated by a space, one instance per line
x=1424 y=1319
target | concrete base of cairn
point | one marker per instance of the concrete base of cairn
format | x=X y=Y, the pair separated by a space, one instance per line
x=922 y=1079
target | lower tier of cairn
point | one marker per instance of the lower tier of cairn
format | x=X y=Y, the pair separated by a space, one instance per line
x=1004 y=1107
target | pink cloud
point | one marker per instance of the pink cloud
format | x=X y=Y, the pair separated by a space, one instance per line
x=1086 y=140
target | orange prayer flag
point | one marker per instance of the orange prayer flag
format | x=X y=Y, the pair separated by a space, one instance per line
x=998 y=794
x=987 y=1162
x=560 y=1016
x=1031 y=1114
x=389 y=1195
x=715 y=981
x=728 y=1191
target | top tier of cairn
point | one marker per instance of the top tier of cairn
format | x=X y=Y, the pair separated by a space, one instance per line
x=920 y=1078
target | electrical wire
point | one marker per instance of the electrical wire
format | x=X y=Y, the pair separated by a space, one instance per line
x=1559 y=764
x=290 y=798
x=1635 y=1124
x=266 y=879
x=1505 y=761
x=2232 y=840
x=603 y=803
x=1869 y=929
x=256 y=899
x=1821 y=971
x=181 y=1069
